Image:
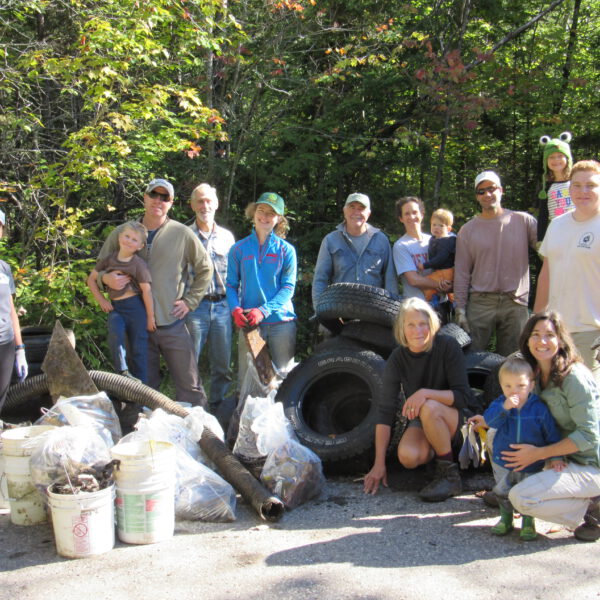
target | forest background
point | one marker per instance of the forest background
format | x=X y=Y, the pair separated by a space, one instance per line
x=313 y=99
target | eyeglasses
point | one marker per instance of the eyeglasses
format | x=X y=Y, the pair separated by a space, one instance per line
x=547 y=337
x=158 y=196
x=487 y=190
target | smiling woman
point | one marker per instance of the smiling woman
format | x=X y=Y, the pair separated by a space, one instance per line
x=570 y=497
x=429 y=371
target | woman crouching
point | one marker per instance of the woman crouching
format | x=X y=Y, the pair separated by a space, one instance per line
x=429 y=371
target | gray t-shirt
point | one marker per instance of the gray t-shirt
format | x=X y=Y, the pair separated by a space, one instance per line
x=7 y=288
x=359 y=241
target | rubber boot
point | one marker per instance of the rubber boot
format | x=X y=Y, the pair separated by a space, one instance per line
x=505 y=524
x=446 y=482
x=527 y=529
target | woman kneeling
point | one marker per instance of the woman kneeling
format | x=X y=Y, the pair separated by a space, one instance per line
x=429 y=371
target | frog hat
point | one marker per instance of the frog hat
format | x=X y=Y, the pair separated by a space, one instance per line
x=559 y=144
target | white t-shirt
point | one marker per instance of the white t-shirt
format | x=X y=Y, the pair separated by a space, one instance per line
x=408 y=253
x=573 y=252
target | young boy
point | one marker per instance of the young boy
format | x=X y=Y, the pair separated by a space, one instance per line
x=131 y=312
x=519 y=417
x=441 y=251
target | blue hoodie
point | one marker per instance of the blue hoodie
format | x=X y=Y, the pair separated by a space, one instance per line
x=262 y=277
x=531 y=424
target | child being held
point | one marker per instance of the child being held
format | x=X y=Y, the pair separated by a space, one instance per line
x=519 y=417
x=131 y=312
x=441 y=251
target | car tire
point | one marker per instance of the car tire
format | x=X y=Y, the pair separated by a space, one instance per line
x=482 y=371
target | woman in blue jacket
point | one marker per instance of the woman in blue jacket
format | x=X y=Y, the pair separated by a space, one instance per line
x=261 y=278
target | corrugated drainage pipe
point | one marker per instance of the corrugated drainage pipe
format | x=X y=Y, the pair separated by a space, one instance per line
x=269 y=507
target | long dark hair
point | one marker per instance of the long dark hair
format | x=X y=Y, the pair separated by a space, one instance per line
x=567 y=354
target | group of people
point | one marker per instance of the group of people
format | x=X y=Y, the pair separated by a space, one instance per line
x=174 y=288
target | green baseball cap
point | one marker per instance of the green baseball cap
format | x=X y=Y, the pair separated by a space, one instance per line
x=275 y=201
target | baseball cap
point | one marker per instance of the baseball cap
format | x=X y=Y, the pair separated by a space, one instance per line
x=161 y=183
x=361 y=198
x=275 y=201
x=488 y=176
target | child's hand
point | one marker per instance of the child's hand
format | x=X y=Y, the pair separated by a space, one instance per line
x=105 y=305
x=420 y=267
x=558 y=465
x=478 y=421
x=151 y=324
x=511 y=402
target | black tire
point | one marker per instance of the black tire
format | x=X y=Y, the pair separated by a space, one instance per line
x=330 y=400
x=482 y=371
x=377 y=337
x=348 y=301
x=458 y=333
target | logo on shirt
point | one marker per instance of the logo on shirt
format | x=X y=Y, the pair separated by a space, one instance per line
x=586 y=240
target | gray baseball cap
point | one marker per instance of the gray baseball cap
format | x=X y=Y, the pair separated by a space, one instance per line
x=361 y=198
x=161 y=183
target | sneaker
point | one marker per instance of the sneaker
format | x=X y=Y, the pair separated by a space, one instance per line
x=589 y=530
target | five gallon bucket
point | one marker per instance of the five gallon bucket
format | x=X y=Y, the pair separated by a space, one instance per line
x=26 y=502
x=145 y=481
x=83 y=523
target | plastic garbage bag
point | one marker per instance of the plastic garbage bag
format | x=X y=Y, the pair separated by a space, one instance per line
x=96 y=411
x=165 y=427
x=198 y=419
x=64 y=453
x=201 y=494
x=245 y=443
x=294 y=473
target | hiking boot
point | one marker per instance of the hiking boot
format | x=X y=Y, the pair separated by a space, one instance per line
x=505 y=524
x=446 y=482
x=527 y=533
x=489 y=498
x=589 y=530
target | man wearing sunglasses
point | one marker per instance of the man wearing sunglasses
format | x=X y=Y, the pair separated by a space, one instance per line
x=172 y=252
x=491 y=281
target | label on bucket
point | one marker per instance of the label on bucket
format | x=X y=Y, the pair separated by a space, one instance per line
x=81 y=534
x=147 y=513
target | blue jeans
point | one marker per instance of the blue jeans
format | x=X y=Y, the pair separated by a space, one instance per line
x=281 y=342
x=211 y=322
x=127 y=330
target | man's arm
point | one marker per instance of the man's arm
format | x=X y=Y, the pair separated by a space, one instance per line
x=390 y=279
x=422 y=282
x=462 y=271
x=203 y=271
x=543 y=288
x=323 y=272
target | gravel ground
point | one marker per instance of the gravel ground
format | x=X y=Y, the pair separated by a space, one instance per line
x=344 y=545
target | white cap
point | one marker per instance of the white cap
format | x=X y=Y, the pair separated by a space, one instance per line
x=361 y=198
x=161 y=183
x=488 y=176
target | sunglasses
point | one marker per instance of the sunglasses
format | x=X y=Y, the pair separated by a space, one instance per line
x=486 y=190
x=158 y=196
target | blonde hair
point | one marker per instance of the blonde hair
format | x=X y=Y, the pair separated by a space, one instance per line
x=586 y=165
x=282 y=227
x=138 y=227
x=443 y=215
x=425 y=309
x=515 y=364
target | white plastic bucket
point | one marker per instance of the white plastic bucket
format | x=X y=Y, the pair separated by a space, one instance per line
x=83 y=523
x=145 y=481
x=27 y=505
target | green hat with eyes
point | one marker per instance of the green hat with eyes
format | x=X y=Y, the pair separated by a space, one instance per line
x=275 y=201
x=550 y=146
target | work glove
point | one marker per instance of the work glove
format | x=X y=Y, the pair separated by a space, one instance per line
x=461 y=319
x=254 y=316
x=239 y=318
x=21 y=364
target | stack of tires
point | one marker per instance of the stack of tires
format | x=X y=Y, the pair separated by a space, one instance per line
x=330 y=397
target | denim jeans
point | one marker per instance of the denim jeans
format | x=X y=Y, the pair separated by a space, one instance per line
x=127 y=329
x=211 y=322
x=281 y=342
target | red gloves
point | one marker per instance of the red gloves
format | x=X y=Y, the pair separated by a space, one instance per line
x=254 y=316
x=239 y=318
